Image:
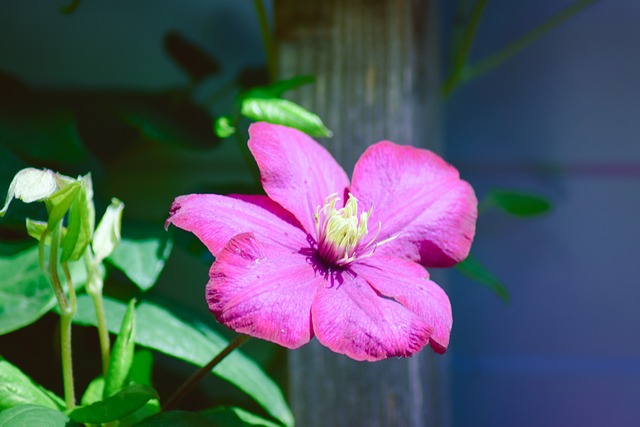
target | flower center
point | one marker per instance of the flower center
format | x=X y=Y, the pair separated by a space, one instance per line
x=340 y=232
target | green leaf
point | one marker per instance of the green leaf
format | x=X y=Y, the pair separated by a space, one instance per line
x=471 y=268
x=34 y=415
x=25 y=292
x=140 y=373
x=177 y=419
x=79 y=229
x=18 y=389
x=519 y=204
x=40 y=132
x=283 y=112
x=122 y=353
x=143 y=258
x=59 y=202
x=236 y=417
x=141 y=368
x=116 y=407
x=94 y=391
x=36 y=229
x=277 y=89
x=159 y=329
x=223 y=127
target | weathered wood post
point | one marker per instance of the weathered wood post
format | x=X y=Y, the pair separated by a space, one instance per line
x=376 y=65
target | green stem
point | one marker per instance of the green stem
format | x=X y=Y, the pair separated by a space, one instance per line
x=203 y=372
x=103 y=332
x=267 y=38
x=461 y=54
x=67 y=310
x=94 y=289
x=518 y=45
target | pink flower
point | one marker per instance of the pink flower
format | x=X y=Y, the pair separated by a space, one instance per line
x=319 y=256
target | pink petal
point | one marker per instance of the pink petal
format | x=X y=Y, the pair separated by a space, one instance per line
x=409 y=284
x=263 y=291
x=419 y=198
x=216 y=219
x=296 y=171
x=350 y=318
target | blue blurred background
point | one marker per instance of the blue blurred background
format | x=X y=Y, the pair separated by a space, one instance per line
x=561 y=119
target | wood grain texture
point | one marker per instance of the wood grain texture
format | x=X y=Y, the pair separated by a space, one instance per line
x=376 y=65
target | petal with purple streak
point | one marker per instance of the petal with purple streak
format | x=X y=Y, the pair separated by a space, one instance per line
x=420 y=199
x=409 y=284
x=351 y=318
x=264 y=291
x=216 y=219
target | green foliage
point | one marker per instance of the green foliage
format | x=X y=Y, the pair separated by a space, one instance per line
x=223 y=127
x=217 y=417
x=121 y=354
x=284 y=112
x=94 y=392
x=34 y=415
x=472 y=268
x=16 y=388
x=25 y=292
x=159 y=329
x=79 y=227
x=142 y=257
x=519 y=204
x=124 y=403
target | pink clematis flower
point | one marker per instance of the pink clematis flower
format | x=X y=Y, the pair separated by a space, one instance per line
x=320 y=256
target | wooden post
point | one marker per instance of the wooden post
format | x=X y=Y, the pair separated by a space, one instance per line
x=376 y=64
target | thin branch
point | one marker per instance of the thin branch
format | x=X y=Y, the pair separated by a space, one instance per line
x=203 y=372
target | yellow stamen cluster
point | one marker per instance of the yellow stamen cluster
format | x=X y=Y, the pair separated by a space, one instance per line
x=339 y=231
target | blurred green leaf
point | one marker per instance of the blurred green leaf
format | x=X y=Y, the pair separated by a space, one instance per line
x=519 y=204
x=140 y=373
x=121 y=354
x=25 y=292
x=277 y=89
x=94 y=391
x=142 y=259
x=217 y=417
x=177 y=419
x=223 y=127
x=283 y=112
x=158 y=329
x=197 y=63
x=16 y=388
x=141 y=368
x=34 y=415
x=236 y=417
x=116 y=407
x=471 y=268
x=39 y=133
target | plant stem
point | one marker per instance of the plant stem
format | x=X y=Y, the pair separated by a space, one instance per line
x=267 y=38
x=103 y=332
x=67 y=310
x=518 y=45
x=188 y=385
x=94 y=289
